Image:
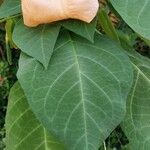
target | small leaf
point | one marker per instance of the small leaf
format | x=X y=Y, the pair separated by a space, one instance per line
x=9 y=8
x=136 y=14
x=107 y=26
x=9 y=26
x=81 y=28
x=37 y=42
x=81 y=97
x=23 y=130
x=137 y=122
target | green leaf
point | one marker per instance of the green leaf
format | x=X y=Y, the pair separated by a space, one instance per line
x=136 y=14
x=107 y=26
x=37 y=42
x=23 y=130
x=81 y=97
x=9 y=8
x=9 y=25
x=126 y=40
x=81 y=28
x=137 y=122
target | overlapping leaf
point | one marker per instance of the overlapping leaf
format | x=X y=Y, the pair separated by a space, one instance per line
x=81 y=97
x=37 y=42
x=107 y=25
x=9 y=8
x=42 y=33
x=23 y=130
x=81 y=28
x=136 y=14
x=137 y=121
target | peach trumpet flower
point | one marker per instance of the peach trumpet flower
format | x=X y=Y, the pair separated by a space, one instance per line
x=37 y=12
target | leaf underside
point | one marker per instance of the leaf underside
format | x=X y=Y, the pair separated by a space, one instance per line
x=81 y=97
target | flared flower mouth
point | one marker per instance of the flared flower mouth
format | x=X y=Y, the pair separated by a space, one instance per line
x=37 y=12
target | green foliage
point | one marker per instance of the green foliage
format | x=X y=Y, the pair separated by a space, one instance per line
x=137 y=122
x=77 y=81
x=4 y=91
x=81 y=28
x=107 y=26
x=136 y=14
x=42 y=39
x=22 y=127
x=72 y=94
x=9 y=8
x=7 y=79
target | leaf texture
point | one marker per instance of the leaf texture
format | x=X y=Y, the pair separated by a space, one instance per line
x=86 y=30
x=81 y=97
x=9 y=8
x=37 y=42
x=23 y=130
x=136 y=14
x=137 y=122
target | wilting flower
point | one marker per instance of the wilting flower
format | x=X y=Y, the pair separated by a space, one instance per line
x=37 y=12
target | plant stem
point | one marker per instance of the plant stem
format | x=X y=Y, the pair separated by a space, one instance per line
x=105 y=146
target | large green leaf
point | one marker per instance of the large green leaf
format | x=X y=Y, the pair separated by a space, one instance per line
x=23 y=130
x=81 y=28
x=37 y=42
x=136 y=14
x=81 y=97
x=137 y=121
x=9 y=8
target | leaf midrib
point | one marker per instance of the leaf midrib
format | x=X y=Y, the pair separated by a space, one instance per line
x=42 y=46
x=45 y=140
x=139 y=70
x=81 y=89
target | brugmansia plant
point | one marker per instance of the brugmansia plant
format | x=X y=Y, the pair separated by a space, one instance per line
x=75 y=84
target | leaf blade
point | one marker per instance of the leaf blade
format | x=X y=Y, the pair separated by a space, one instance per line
x=9 y=8
x=74 y=98
x=136 y=15
x=81 y=28
x=22 y=127
x=136 y=124
x=37 y=42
